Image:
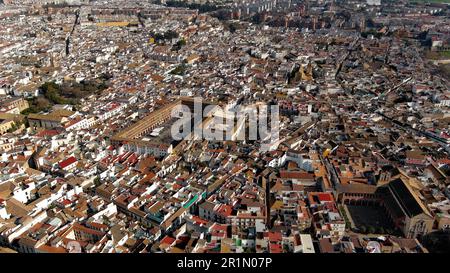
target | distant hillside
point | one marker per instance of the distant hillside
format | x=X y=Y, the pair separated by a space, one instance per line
x=431 y=1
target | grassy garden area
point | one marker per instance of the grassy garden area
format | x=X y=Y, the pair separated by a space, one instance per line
x=442 y=55
x=52 y=93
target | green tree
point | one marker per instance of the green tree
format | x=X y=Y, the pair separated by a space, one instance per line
x=179 y=44
x=97 y=181
x=106 y=220
x=179 y=70
x=13 y=128
x=363 y=229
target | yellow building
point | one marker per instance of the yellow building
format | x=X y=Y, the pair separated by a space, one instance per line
x=5 y=125
x=7 y=121
x=13 y=105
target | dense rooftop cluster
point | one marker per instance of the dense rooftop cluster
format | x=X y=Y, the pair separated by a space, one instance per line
x=361 y=163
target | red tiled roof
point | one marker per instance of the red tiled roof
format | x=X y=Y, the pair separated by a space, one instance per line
x=67 y=162
x=51 y=249
x=325 y=197
x=224 y=210
x=218 y=227
x=97 y=225
x=47 y=133
x=443 y=161
x=274 y=236
x=87 y=230
x=176 y=186
x=275 y=248
x=167 y=240
x=199 y=220
x=72 y=122
x=296 y=175
x=66 y=202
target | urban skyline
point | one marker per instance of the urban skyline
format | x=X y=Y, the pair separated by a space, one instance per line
x=224 y=126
